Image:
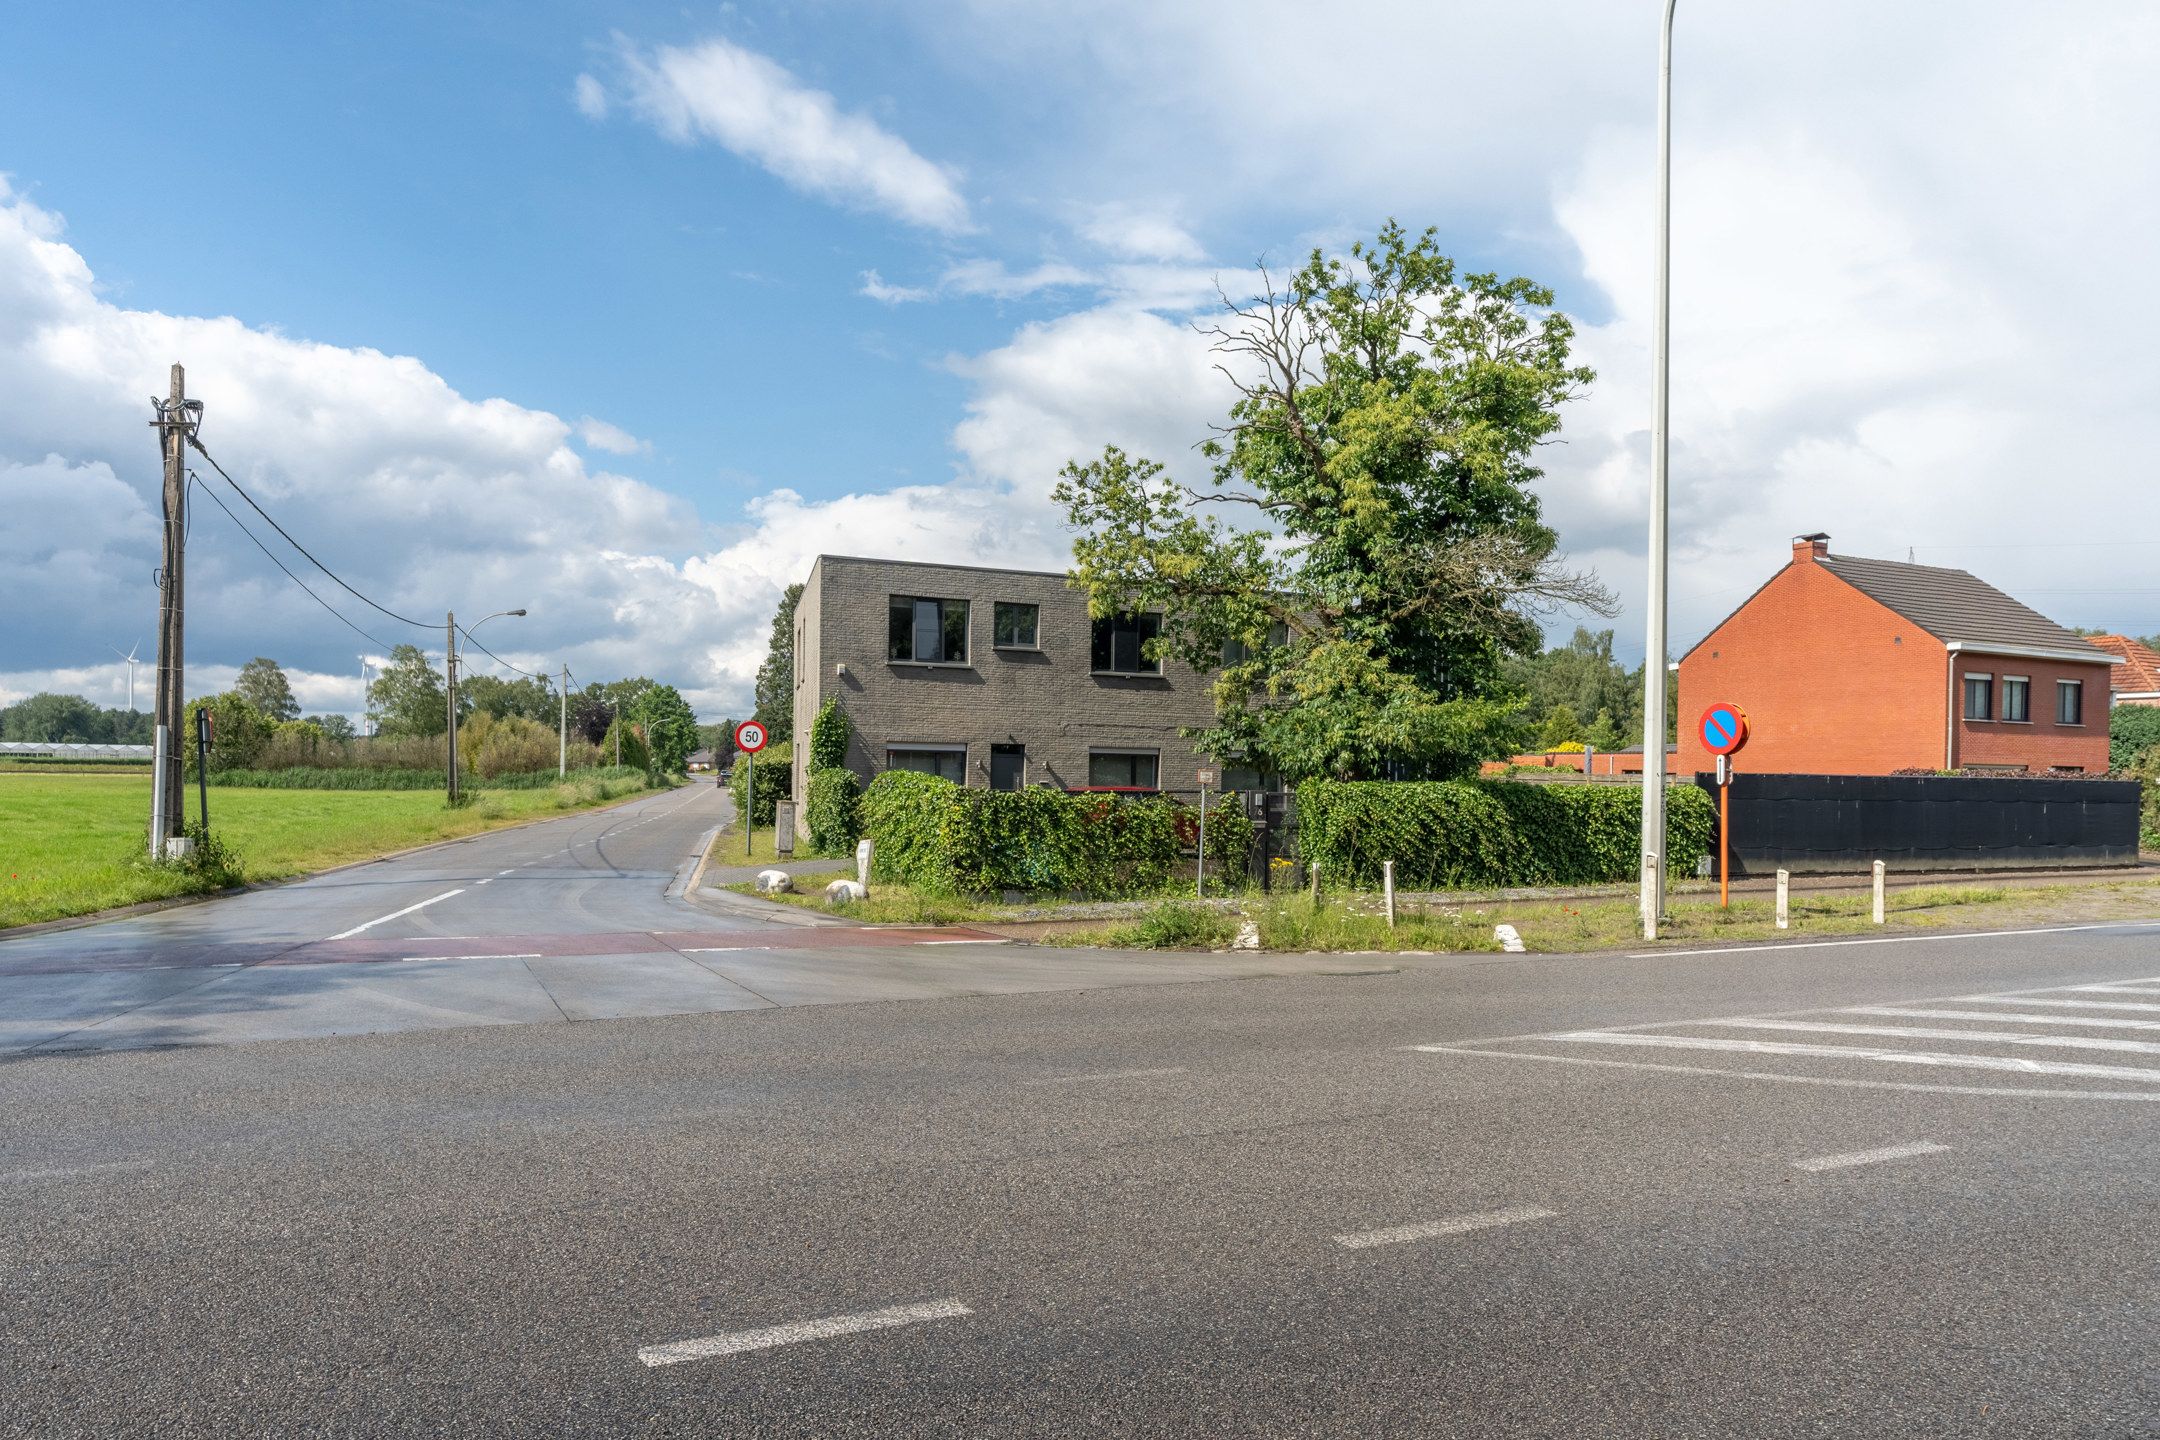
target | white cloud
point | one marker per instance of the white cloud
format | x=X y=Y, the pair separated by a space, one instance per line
x=874 y=286
x=749 y=105
x=991 y=278
x=590 y=97
x=600 y=435
x=1140 y=234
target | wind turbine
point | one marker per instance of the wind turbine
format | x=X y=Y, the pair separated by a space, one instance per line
x=131 y=663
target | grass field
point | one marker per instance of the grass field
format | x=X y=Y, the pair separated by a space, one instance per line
x=72 y=844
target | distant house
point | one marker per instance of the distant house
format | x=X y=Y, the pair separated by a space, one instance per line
x=701 y=760
x=2137 y=679
x=1847 y=666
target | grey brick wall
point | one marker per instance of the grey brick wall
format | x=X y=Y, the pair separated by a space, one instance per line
x=1044 y=699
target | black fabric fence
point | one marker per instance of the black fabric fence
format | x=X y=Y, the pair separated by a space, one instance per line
x=1823 y=823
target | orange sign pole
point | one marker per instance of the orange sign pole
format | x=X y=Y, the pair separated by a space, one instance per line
x=1724 y=844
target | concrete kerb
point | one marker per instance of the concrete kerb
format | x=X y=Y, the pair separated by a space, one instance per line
x=151 y=907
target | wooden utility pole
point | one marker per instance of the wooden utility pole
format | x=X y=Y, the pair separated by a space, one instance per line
x=174 y=422
x=450 y=676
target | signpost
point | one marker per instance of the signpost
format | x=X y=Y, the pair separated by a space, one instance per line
x=749 y=738
x=1207 y=778
x=1724 y=729
x=205 y=731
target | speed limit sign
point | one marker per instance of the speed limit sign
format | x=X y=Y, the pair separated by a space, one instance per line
x=750 y=737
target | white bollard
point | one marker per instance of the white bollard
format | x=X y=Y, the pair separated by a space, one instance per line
x=862 y=863
x=1784 y=885
x=1878 y=892
x=1387 y=889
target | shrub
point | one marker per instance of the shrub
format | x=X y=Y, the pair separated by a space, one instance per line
x=951 y=839
x=774 y=766
x=1460 y=834
x=311 y=777
x=1175 y=924
x=2133 y=730
x=238 y=732
x=1230 y=838
x=829 y=737
x=830 y=813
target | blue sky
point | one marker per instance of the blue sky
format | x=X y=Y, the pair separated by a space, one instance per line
x=571 y=306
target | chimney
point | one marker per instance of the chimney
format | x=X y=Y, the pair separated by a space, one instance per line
x=1807 y=549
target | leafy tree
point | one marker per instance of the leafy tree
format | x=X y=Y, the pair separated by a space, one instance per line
x=670 y=727
x=525 y=697
x=406 y=697
x=238 y=732
x=1387 y=415
x=56 y=720
x=263 y=685
x=338 y=728
x=1560 y=728
x=776 y=677
x=1583 y=676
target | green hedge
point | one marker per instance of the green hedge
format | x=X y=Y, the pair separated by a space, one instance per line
x=1230 y=838
x=2132 y=730
x=357 y=777
x=829 y=737
x=1464 y=834
x=775 y=777
x=952 y=839
x=830 y=813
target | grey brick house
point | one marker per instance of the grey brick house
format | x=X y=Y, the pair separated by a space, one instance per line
x=989 y=677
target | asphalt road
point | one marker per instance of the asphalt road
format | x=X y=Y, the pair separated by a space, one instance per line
x=1478 y=1196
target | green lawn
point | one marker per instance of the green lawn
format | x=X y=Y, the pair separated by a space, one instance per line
x=71 y=844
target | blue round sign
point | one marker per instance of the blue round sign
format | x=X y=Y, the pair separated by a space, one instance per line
x=1724 y=729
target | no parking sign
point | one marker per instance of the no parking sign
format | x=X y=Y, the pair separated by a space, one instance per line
x=1724 y=729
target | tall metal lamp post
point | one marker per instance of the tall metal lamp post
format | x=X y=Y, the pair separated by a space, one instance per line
x=450 y=674
x=1655 y=675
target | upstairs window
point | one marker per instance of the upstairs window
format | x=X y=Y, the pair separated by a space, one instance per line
x=1237 y=652
x=2070 y=702
x=1013 y=625
x=927 y=632
x=1979 y=696
x=2016 y=698
x=1120 y=645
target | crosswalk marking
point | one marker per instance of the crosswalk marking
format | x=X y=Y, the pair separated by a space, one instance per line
x=2017 y=1064
x=2117 y=988
x=2002 y=1017
x=1921 y=1032
x=2063 y=1004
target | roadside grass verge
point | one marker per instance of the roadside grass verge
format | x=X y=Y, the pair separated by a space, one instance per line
x=887 y=905
x=70 y=845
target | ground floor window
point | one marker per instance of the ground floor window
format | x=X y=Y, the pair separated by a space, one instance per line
x=948 y=761
x=1248 y=778
x=1129 y=769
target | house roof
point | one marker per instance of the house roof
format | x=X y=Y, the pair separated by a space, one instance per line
x=2140 y=672
x=1957 y=607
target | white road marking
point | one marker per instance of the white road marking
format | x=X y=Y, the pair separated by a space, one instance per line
x=722 y=949
x=70 y=1172
x=2094 y=1021
x=348 y=934
x=2035 y=999
x=714 y=1346
x=2129 y=988
x=1882 y=940
x=1850 y=1052
x=1922 y=1032
x=1454 y=1225
x=489 y=881
x=1870 y=1157
x=409 y=959
x=1836 y=1081
x=511 y=871
x=1107 y=1075
x=989 y=940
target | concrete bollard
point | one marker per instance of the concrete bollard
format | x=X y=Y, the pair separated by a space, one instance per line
x=1784 y=899
x=1878 y=892
x=862 y=863
x=1387 y=890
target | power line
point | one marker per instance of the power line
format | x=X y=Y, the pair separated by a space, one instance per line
x=497 y=658
x=288 y=573
x=243 y=494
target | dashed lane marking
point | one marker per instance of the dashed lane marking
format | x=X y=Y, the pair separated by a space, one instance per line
x=530 y=955
x=712 y=1347
x=1870 y=1157
x=431 y=900
x=1431 y=1229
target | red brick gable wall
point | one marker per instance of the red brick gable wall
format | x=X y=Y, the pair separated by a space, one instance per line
x=1833 y=682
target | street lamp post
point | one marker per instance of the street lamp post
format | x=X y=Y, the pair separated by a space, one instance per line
x=1655 y=676
x=450 y=675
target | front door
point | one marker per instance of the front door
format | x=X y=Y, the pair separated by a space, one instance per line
x=1008 y=767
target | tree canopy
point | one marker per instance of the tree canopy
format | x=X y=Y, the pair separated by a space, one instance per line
x=670 y=726
x=406 y=697
x=1387 y=415
x=776 y=677
x=263 y=685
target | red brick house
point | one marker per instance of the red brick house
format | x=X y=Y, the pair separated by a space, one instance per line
x=2137 y=679
x=1847 y=666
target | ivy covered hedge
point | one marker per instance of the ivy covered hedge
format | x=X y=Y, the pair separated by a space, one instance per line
x=951 y=839
x=1467 y=834
x=829 y=814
